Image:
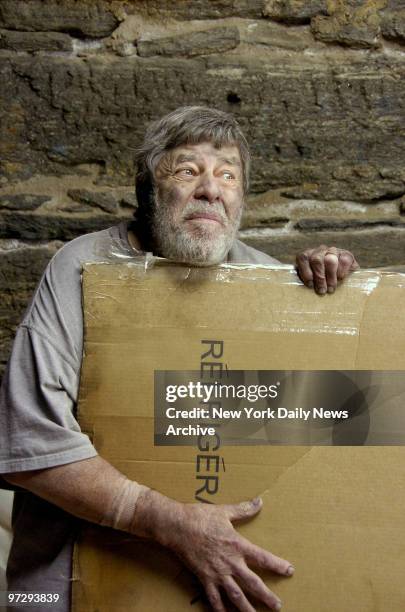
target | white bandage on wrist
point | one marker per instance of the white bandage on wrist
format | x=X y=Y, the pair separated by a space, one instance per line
x=121 y=512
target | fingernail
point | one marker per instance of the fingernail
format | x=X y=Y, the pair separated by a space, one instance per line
x=256 y=501
x=278 y=606
x=310 y=284
x=331 y=289
x=322 y=290
x=290 y=571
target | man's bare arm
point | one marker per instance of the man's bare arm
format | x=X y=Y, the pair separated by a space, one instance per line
x=201 y=535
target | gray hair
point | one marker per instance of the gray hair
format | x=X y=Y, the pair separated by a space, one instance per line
x=186 y=125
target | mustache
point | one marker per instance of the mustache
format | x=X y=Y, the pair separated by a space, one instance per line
x=204 y=206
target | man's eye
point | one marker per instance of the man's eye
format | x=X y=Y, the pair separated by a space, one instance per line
x=228 y=175
x=186 y=171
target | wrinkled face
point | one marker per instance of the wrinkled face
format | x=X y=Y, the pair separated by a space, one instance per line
x=198 y=203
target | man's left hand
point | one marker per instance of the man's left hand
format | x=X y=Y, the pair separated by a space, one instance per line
x=323 y=267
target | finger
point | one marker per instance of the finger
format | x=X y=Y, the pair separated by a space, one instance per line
x=214 y=597
x=236 y=595
x=256 y=587
x=347 y=263
x=355 y=265
x=331 y=262
x=259 y=557
x=317 y=263
x=304 y=269
x=244 y=510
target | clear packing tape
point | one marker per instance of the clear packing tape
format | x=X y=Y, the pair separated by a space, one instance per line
x=266 y=299
x=119 y=251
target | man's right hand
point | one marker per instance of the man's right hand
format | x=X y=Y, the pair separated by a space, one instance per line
x=202 y=535
x=204 y=538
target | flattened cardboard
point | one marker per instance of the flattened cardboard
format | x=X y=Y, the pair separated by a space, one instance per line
x=337 y=513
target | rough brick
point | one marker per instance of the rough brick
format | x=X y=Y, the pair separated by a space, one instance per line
x=202 y=42
x=51 y=227
x=304 y=124
x=355 y=23
x=263 y=210
x=365 y=190
x=345 y=224
x=79 y=17
x=197 y=9
x=75 y=207
x=23 y=201
x=270 y=34
x=294 y=11
x=105 y=201
x=393 y=25
x=129 y=200
x=375 y=247
x=34 y=41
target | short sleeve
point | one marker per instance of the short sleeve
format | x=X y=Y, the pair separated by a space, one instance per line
x=38 y=428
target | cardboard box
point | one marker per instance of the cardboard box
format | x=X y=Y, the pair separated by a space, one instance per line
x=336 y=512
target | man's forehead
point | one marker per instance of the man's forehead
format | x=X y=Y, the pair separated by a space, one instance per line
x=194 y=152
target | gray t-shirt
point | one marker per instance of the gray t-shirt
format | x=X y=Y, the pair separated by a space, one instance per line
x=38 y=428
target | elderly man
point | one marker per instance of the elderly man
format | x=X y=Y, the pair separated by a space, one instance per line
x=191 y=184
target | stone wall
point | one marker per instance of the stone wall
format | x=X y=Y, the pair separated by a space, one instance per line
x=317 y=85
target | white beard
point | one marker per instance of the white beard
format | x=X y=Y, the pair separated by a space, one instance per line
x=194 y=246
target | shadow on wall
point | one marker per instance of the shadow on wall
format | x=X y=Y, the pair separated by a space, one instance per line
x=6 y=500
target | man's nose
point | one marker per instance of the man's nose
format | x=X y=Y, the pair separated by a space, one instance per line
x=207 y=188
